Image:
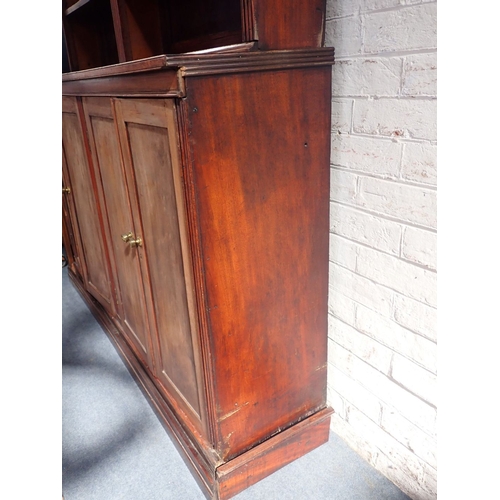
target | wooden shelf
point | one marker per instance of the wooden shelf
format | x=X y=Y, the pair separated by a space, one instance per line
x=76 y=6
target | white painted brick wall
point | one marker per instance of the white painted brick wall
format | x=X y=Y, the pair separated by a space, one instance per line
x=398 y=275
x=365 y=77
x=368 y=349
x=383 y=220
x=406 y=28
x=417 y=411
x=374 y=156
x=420 y=75
x=342 y=115
x=356 y=225
x=418 y=380
x=417 y=348
x=419 y=163
x=411 y=204
x=412 y=119
x=415 y=316
x=407 y=433
x=419 y=246
x=360 y=289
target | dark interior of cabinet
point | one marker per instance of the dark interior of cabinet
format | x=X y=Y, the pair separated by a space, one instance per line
x=103 y=32
x=89 y=35
x=202 y=24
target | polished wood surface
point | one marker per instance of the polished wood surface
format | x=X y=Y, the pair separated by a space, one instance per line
x=278 y=451
x=262 y=191
x=164 y=84
x=289 y=24
x=165 y=76
x=232 y=59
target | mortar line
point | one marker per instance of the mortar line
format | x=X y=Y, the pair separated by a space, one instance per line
x=384 y=216
x=398 y=181
x=384 y=374
x=416 y=264
x=386 y=54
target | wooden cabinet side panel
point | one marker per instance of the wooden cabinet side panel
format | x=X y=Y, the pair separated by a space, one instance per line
x=289 y=24
x=260 y=158
x=87 y=211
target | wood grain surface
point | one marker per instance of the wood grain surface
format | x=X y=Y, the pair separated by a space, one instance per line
x=262 y=190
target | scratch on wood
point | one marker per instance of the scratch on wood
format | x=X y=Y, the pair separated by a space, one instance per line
x=227 y=415
x=322 y=367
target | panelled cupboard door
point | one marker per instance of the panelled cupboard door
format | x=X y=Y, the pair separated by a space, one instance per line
x=70 y=229
x=148 y=137
x=95 y=271
x=124 y=246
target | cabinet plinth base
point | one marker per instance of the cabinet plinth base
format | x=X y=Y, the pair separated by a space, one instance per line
x=217 y=481
x=269 y=456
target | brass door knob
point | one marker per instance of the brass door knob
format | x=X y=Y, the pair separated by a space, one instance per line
x=132 y=240
x=66 y=190
x=136 y=243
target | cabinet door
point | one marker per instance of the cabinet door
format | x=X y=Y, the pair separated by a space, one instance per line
x=149 y=142
x=95 y=271
x=69 y=225
x=112 y=187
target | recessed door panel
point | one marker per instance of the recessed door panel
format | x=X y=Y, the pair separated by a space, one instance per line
x=147 y=128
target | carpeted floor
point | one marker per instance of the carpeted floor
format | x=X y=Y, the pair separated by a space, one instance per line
x=114 y=447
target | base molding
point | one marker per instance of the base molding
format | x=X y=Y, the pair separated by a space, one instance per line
x=218 y=481
x=280 y=450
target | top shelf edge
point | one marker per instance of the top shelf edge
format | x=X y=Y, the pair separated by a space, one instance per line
x=76 y=6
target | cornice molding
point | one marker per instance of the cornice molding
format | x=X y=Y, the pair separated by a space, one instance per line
x=234 y=59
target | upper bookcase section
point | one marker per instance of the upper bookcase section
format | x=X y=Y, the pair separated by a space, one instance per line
x=103 y=32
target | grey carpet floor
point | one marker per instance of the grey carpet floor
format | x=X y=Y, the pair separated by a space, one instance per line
x=114 y=447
